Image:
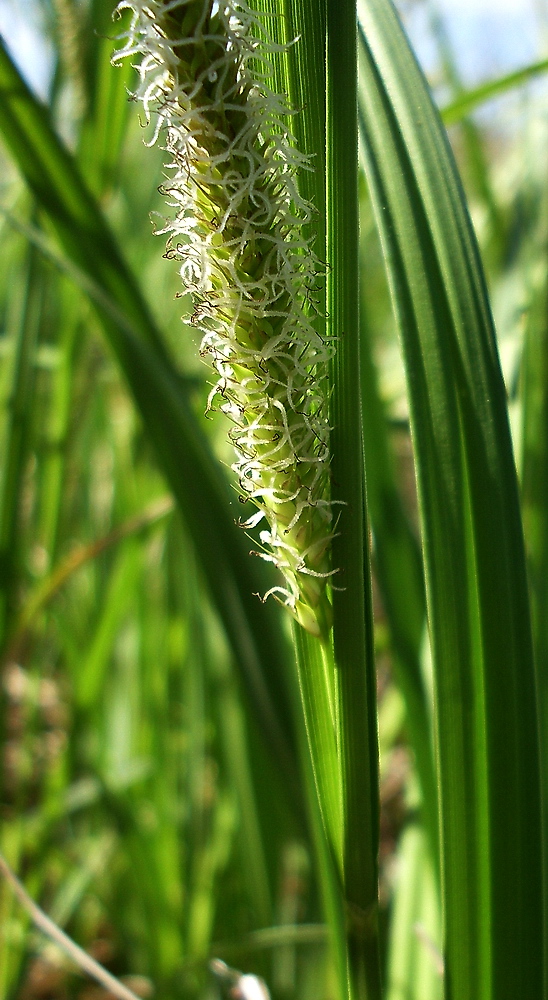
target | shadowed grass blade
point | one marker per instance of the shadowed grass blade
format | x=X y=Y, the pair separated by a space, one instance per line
x=355 y=683
x=400 y=575
x=25 y=318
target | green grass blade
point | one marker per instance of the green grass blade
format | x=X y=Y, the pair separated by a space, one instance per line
x=103 y=133
x=316 y=684
x=353 y=625
x=414 y=968
x=237 y=759
x=306 y=76
x=315 y=671
x=476 y=587
x=474 y=159
x=535 y=476
x=180 y=445
x=306 y=63
x=338 y=704
x=535 y=514
x=95 y=660
x=51 y=174
x=400 y=576
x=256 y=827
x=26 y=314
x=470 y=100
x=55 y=428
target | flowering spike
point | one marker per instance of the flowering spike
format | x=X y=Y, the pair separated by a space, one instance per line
x=204 y=68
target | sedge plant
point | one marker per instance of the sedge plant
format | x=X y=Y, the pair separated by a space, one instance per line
x=257 y=106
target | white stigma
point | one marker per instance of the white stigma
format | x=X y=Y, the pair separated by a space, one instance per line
x=237 y=229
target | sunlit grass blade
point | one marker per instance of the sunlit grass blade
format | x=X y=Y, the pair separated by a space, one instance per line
x=104 y=130
x=11 y=952
x=470 y=100
x=315 y=670
x=307 y=83
x=535 y=476
x=414 y=964
x=472 y=537
x=94 y=663
x=317 y=689
x=399 y=571
x=474 y=157
x=180 y=445
x=534 y=482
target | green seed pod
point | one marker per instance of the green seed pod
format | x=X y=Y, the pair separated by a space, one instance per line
x=204 y=69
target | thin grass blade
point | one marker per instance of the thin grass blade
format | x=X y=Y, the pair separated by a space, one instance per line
x=355 y=682
x=470 y=100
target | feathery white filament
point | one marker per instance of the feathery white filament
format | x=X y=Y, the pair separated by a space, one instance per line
x=237 y=231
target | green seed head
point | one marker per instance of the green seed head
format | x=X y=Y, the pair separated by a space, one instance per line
x=238 y=232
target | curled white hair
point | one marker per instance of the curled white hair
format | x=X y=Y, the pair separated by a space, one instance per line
x=237 y=229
